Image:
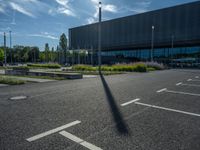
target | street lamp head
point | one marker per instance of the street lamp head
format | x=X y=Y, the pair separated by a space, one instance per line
x=153 y=27
x=100 y=5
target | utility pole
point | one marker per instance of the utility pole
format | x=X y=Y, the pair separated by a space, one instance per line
x=10 y=47
x=5 y=48
x=99 y=39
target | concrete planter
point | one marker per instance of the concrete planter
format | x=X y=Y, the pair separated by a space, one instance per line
x=49 y=74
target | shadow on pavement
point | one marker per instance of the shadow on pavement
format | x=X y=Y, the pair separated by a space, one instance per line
x=117 y=116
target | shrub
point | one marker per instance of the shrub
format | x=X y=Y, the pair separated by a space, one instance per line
x=140 y=67
x=11 y=81
x=84 y=68
x=155 y=65
x=151 y=69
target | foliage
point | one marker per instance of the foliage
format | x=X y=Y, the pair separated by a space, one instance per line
x=10 y=81
x=155 y=65
x=53 y=66
x=63 y=45
x=137 y=67
x=1 y=55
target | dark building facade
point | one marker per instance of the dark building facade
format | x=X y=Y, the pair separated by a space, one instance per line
x=176 y=34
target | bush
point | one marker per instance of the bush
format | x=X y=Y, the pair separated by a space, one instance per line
x=50 y=66
x=155 y=65
x=84 y=68
x=137 y=67
x=10 y=81
x=151 y=69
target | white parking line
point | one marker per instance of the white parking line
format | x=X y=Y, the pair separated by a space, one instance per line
x=36 y=137
x=183 y=84
x=179 y=83
x=177 y=92
x=193 y=80
x=79 y=141
x=168 y=109
x=132 y=101
x=162 y=90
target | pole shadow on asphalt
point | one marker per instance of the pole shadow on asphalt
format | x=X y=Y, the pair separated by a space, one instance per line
x=117 y=116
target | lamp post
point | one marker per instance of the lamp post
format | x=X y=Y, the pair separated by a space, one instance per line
x=99 y=39
x=10 y=47
x=152 y=42
x=5 y=49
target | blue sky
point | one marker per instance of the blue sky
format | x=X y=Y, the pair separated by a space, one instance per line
x=36 y=22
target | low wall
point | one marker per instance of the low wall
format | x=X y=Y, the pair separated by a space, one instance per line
x=49 y=74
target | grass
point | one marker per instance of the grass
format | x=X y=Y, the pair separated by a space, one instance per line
x=10 y=81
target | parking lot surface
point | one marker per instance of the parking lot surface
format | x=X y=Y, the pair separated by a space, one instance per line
x=155 y=111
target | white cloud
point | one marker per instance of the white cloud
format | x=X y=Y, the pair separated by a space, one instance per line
x=105 y=8
x=44 y=36
x=137 y=7
x=63 y=8
x=90 y=20
x=2 y=10
x=21 y=9
x=63 y=2
x=109 y=8
x=66 y=11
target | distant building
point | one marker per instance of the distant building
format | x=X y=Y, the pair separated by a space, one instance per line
x=176 y=35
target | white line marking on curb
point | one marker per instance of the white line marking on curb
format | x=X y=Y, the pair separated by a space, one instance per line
x=162 y=90
x=189 y=80
x=179 y=83
x=79 y=141
x=185 y=93
x=36 y=137
x=132 y=101
x=168 y=109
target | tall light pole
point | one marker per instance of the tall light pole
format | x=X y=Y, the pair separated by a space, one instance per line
x=5 y=48
x=152 y=42
x=99 y=38
x=10 y=48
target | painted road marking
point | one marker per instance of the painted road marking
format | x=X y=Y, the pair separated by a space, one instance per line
x=79 y=141
x=168 y=109
x=183 y=84
x=179 y=83
x=197 y=77
x=36 y=137
x=193 y=80
x=177 y=92
x=162 y=90
x=132 y=101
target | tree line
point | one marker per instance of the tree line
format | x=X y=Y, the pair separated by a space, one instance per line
x=23 y=54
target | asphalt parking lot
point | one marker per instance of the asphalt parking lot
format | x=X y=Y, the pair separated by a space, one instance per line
x=155 y=111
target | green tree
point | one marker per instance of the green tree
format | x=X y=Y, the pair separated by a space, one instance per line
x=1 y=55
x=47 y=52
x=63 y=45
